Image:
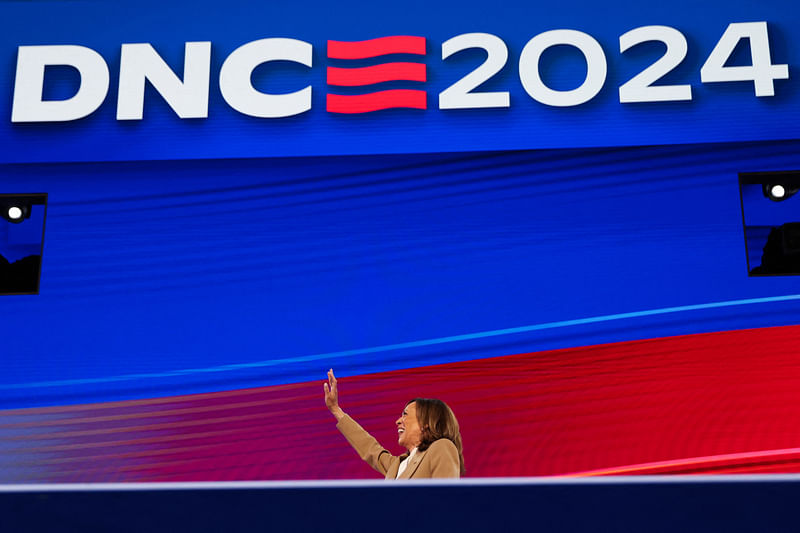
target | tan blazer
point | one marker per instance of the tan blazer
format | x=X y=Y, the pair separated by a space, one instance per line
x=439 y=460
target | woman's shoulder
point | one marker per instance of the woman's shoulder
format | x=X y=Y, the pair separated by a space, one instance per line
x=443 y=445
x=443 y=459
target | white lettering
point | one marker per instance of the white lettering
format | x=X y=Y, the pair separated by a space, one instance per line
x=28 y=105
x=237 y=88
x=595 y=63
x=140 y=62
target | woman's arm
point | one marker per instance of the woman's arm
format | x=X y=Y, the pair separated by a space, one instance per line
x=365 y=444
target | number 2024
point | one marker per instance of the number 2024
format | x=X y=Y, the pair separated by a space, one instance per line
x=640 y=88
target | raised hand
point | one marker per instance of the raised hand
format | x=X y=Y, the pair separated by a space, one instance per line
x=332 y=396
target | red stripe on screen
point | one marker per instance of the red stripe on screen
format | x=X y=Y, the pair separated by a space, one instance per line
x=398 y=44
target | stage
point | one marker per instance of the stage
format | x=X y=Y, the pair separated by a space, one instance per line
x=643 y=503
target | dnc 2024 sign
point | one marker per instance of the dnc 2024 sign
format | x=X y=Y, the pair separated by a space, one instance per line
x=187 y=94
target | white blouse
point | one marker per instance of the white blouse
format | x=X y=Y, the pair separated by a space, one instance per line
x=404 y=463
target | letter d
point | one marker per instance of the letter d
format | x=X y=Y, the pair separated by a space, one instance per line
x=28 y=105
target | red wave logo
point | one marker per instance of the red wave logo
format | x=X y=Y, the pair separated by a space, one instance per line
x=383 y=72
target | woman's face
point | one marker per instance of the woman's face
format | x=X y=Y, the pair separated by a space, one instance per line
x=409 y=434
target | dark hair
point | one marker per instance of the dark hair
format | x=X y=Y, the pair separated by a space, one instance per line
x=437 y=421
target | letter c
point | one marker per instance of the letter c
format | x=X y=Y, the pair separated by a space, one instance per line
x=238 y=91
